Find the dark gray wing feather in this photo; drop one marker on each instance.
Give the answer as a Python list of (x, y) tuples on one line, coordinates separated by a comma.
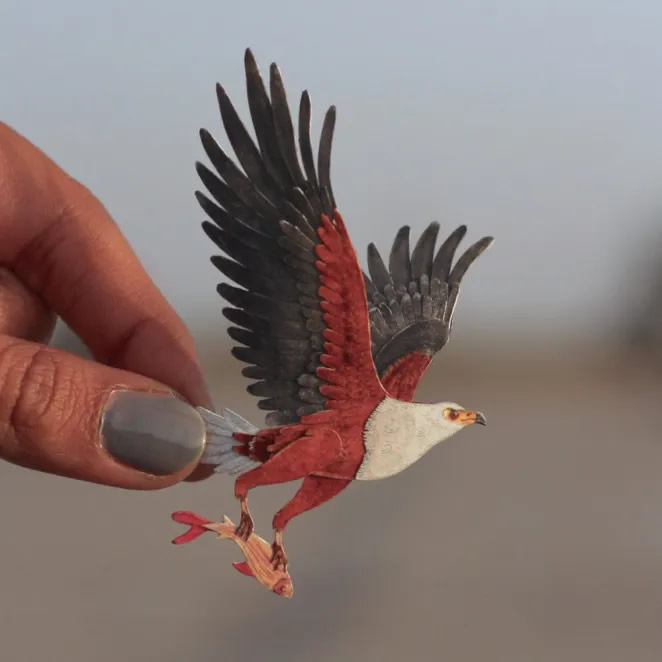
[(412, 302), (265, 211)]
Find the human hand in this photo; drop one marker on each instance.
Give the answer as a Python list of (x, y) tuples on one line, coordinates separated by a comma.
[(115, 421)]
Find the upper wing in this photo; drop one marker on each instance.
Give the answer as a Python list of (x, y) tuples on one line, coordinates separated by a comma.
[(412, 302), (300, 309)]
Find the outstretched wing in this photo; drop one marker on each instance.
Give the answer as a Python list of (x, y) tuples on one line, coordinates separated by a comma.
[(412, 302), (300, 312)]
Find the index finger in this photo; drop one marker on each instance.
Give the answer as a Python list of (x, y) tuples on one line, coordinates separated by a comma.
[(62, 243)]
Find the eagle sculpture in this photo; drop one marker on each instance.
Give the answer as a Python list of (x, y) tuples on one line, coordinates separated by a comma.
[(334, 354)]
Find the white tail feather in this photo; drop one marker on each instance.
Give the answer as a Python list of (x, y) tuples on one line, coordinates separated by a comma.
[(220, 442)]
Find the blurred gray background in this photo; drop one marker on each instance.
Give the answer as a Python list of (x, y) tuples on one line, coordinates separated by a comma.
[(537, 538)]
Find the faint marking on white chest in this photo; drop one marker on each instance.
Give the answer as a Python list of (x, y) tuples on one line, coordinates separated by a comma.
[(397, 434)]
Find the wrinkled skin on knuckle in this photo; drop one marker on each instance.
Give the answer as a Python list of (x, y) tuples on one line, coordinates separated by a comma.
[(40, 262), (28, 189), (42, 406), (23, 313)]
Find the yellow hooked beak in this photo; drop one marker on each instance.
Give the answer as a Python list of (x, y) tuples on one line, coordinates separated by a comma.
[(466, 417)]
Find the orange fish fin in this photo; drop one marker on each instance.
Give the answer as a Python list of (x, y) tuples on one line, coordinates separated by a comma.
[(244, 568)]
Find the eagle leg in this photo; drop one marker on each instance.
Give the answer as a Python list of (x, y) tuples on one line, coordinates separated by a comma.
[(314, 451), (245, 526), (278, 557), (314, 491)]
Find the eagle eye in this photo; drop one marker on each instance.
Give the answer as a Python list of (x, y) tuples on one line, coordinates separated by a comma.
[(451, 414)]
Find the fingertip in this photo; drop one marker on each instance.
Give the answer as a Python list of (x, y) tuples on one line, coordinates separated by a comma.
[(72, 417), (155, 433)]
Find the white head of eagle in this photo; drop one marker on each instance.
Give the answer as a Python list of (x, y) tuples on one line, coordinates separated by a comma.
[(399, 433)]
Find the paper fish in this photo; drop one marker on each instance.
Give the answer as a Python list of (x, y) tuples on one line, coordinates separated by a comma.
[(258, 552)]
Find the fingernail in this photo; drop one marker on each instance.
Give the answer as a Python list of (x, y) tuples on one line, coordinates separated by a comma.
[(152, 432)]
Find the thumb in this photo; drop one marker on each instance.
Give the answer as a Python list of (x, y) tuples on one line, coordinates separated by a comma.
[(66, 415)]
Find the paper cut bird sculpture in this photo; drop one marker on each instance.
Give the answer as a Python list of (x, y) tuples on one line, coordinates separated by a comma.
[(334, 354)]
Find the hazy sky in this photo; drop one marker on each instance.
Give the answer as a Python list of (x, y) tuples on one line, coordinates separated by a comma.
[(537, 122)]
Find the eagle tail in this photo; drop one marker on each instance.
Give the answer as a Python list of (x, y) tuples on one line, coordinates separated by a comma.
[(224, 446)]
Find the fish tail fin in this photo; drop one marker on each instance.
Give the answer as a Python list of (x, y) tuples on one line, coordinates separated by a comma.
[(195, 522)]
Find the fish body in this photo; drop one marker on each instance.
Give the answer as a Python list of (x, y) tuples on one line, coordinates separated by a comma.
[(258, 552)]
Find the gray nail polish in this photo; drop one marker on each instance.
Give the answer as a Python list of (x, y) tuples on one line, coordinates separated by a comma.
[(152, 432)]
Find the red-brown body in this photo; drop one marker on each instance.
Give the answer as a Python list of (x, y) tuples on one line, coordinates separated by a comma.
[(325, 449)]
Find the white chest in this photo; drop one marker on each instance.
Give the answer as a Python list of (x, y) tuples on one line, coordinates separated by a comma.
[(399, 433)]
